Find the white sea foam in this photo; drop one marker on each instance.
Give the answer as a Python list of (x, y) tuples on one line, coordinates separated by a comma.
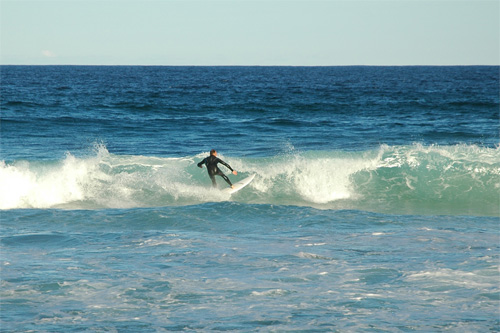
[(315, 179), (100, 180), (26, 186), (271, 292), (450, 277), (450, 180)]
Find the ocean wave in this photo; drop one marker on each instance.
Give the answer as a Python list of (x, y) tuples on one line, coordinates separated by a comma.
[(413, 179)]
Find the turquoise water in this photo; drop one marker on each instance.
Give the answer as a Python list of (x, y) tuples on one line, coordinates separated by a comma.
[(415, 179), (375, 205)]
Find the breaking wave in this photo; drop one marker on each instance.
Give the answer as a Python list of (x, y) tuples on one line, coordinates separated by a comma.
[(414, 179)]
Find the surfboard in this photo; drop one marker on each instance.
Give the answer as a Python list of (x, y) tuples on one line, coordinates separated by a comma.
[(239, 185)]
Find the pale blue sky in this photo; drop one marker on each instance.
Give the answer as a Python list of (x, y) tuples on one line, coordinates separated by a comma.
[(241, 32)]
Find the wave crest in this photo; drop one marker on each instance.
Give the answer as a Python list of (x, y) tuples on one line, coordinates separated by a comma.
[(415, 179)]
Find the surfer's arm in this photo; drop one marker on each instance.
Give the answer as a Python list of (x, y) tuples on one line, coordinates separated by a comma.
[(200, 165), (226, 165)]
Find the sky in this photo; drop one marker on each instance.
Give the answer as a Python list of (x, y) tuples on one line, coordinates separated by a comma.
[(239, 32)]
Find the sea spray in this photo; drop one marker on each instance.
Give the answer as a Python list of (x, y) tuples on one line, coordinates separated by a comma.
[(45, 184), (308, 177)]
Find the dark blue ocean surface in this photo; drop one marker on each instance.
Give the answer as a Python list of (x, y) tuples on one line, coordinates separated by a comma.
[(375, 204), (243, 111)]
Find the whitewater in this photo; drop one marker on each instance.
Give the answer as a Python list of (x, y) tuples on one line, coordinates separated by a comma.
[(461, 179)]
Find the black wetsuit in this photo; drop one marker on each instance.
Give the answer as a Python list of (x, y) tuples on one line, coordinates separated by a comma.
[(211, 163)]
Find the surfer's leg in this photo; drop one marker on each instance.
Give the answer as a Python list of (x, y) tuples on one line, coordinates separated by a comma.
[(225, 178), (214, 183)]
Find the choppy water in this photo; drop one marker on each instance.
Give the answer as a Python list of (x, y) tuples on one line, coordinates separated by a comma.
[(375, 204)]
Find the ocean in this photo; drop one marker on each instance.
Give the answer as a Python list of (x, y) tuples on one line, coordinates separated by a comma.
[(375, 204)]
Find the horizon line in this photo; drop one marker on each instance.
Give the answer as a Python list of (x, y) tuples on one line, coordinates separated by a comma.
[(186, 65)]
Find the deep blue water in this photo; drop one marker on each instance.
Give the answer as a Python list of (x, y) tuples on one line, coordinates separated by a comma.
[(375, 205)]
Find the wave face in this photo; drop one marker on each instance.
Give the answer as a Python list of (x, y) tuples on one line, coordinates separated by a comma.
[(414, 179)]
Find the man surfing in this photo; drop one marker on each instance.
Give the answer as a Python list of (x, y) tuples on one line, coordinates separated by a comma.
[(211, 163)]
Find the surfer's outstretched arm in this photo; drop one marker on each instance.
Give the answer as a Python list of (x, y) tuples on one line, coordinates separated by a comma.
[(227, 166), (224, 163), (200, 165)]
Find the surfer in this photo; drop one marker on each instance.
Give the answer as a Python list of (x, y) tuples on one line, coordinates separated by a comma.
[(211, 163)]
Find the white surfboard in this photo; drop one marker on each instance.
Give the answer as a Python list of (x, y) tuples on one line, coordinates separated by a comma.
[(239, 185)]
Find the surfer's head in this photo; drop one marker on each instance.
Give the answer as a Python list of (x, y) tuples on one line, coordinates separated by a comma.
[(213, 152)]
